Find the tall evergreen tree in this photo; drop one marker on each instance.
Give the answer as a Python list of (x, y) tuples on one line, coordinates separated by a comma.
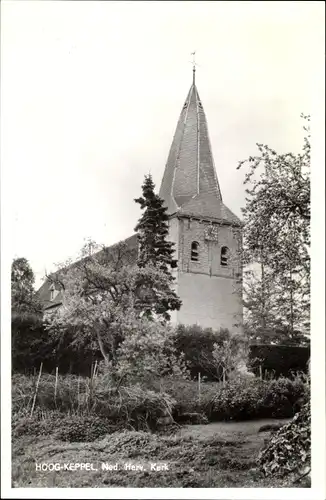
[(154, 248), (153, 230)]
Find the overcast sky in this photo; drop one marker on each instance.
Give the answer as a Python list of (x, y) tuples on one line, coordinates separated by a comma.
[(91, 94)]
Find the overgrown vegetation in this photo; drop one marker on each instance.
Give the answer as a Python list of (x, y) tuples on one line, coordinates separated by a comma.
[(219, 461), (148, 377), (289, 450), (32, 344), (255, 398), (125, 407), (139, 407)]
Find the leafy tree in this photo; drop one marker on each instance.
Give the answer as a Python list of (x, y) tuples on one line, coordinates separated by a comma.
[(259, 303), (23, 297), (104, 299), (148, 353), (106, 294), (277, 240), (266, 309), (29, 342), (154, 248), (215, 354), (231, 355)]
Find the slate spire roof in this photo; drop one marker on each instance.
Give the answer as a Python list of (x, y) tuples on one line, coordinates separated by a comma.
[(190, 185)]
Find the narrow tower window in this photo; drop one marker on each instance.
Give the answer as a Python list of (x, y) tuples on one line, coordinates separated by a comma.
[(224, 256), (194, 251), (52, 290)]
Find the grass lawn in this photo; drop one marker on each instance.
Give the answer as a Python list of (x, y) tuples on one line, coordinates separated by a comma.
[(199, 456)]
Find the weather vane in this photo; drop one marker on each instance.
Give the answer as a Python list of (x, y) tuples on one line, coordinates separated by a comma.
[(194, 64)]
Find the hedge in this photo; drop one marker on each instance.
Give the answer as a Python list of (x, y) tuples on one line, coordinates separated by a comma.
[(197, 344), (246, 399), (279, 359), (31, 345)]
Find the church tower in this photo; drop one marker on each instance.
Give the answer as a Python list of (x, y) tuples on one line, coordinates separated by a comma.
[(207, 235)]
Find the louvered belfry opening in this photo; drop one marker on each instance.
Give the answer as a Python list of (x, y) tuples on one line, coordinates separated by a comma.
[(224, 256), (195, 251)]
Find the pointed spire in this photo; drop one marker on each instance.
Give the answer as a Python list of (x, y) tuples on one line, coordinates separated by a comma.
[(190, 185)]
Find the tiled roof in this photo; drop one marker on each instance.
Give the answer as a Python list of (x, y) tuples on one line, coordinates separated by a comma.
[(105, 255), (208, 205), (190, 183), (44, 294)]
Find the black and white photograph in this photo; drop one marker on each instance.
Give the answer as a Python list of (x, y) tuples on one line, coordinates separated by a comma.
[(162, 249)]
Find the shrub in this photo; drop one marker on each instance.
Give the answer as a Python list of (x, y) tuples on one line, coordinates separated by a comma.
[(289, 449), (84, 428), (142, 408), (283, 396), (65, 427), (242, 399), (193, 418), (148, 351), (36, 425), (237, 400), (186, 396)]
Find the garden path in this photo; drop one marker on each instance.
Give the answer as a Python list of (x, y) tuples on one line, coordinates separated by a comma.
[(244, 428)]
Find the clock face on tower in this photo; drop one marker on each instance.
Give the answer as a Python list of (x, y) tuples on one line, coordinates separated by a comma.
[(211, 233)]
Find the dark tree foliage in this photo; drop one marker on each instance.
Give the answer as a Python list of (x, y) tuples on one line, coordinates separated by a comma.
[(23, 297), (153, 230), (154, 248), (281, 360), (29, 342), (197, 344)]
